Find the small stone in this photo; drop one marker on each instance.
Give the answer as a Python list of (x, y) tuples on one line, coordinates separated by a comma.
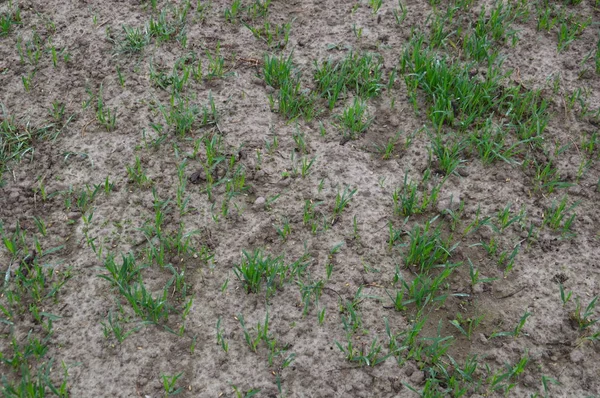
[(576, 356), (259, 175), (451, 201), (417, 377), (74, 215), (482, 339), (478, 288), (529, 381), (409, 371), (259, 203)]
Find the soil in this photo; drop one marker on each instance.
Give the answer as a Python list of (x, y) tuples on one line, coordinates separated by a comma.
[(85, 153)]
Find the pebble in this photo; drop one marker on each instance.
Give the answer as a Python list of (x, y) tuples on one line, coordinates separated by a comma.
[(259, 175), (417, 377), (576, 356), (259, 203), (482, 339), (478, 288), (451, 201)]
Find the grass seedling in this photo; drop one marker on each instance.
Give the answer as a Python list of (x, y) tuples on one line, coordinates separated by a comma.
[(355, 120), (361, 74), (114, 327), (257, 267), (426, 249), (220, 339), (386, 151), (466, 325), (232, 12), (169, 384), (583, 319), (137, 174), (57, 112), (597, 57), (132, 41), (400, 13), (564, 297), (121, 275), (305, 166), (342, 199), (448, 156), (8, 19), (475, 278), (106, 117), (505, 220), (397, 299), (285, 230), (375, 5), (405, 198), (557, 218), (569, 29)]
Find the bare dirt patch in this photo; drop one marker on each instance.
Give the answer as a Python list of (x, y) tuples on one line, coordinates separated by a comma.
[(300, 198)]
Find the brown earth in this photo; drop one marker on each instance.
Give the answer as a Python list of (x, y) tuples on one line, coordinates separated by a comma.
[(85, 153)]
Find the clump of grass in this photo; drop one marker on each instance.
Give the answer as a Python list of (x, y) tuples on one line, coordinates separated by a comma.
[(183, 116), (132, 41), (458, 100), (407, 200), (277, 70), (275, 36), (257, 268), (426, 249), (449, 154), (355, 119), (106, 117), (557, 216), (292, 100), (15, 142), (8, 20), (361, 74)]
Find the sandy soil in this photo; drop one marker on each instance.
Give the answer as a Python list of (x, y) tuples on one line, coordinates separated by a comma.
[(77, 151)]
